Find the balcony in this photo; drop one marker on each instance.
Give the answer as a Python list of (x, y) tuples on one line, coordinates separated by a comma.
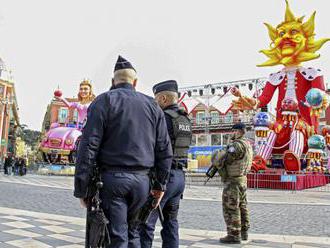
[(221, 122)]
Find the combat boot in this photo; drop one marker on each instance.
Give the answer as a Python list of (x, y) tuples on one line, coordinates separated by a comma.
[(230, 240), (244, 235)]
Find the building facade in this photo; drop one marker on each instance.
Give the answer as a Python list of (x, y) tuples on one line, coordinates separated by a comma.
[(58, 112), (9, 118), (211, 120), (216, 129)]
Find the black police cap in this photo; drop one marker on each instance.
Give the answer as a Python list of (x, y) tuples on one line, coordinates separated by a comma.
[(123, 64), (169, 85), (239, 126)]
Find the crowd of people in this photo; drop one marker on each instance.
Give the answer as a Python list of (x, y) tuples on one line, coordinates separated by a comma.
[(14, 166)]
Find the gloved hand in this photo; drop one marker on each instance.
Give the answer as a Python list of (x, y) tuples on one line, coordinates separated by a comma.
[(243, 102)]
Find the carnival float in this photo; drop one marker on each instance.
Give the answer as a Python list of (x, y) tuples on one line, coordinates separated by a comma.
[(295, 136), (60, 143)]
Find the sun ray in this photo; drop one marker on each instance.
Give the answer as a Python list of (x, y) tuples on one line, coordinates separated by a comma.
[(271, 31), (314, 46), (289, 16), (308, 27), (270, 62), (306, 56)]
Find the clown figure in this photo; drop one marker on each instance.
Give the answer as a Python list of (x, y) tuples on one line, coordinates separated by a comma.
[(315, 153), (261, 127), (326, 135), (289, 111)]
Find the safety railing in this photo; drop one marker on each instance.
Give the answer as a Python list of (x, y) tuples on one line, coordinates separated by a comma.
[(257, 181), (213, 122)]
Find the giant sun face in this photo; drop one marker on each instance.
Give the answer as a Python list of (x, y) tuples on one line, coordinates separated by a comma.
[(292, 41)]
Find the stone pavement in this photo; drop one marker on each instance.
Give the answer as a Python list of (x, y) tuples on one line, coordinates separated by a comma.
[(305, 197), (278, 218), (59, 182), (28, 229), (317, 196)]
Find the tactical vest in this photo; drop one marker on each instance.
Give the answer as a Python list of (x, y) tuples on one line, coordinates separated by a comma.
[(241, 166), (182, 134)]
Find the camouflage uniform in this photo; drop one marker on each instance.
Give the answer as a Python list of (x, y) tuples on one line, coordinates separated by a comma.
[(234, 202)]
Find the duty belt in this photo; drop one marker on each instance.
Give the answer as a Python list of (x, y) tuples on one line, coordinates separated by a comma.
[(128, 169), (177, 165)]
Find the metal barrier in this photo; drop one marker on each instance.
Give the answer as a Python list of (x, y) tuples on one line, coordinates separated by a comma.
[(51, 169), (257, 181)]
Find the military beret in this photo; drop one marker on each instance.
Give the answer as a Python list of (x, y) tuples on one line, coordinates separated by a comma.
[(239, 126), (123, 64), (169, 85)]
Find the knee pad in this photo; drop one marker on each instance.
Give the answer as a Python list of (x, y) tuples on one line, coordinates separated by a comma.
[(171, 211)]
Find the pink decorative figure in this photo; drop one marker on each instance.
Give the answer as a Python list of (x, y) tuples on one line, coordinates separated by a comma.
[(59, 141)]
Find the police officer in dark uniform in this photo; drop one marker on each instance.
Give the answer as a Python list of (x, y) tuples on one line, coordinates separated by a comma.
[(179, 129), (126, 135)]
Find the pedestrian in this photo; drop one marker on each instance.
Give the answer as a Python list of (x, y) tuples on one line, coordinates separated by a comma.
[(126, 135), (22, 167), (8, 164), (16, 165), (179, 129), (238, 160)]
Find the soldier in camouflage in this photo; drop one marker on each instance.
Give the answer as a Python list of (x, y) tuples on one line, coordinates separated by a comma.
[(237, 163)]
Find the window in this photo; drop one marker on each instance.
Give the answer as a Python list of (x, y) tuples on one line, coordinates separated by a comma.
[(62, 115), (200, 117), (75, 116), (214, 117), (322, 115), (193, 140), (226, 138), (202, 140), (216, 139), (229, 117)]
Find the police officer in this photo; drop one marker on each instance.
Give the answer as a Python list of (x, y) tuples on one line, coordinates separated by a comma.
[(238, 161), (126, 135), (179, 129)]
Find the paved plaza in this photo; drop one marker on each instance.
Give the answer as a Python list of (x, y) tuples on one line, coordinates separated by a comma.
[(39, 211)]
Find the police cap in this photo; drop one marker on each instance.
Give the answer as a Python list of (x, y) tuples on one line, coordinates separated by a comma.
[(123, 64), (169, 85), (239, 126)]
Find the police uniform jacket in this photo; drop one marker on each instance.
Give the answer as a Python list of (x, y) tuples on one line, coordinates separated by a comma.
[(125, 130), (178, 162)]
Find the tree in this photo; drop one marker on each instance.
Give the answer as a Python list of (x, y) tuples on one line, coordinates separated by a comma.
[(31, 137)]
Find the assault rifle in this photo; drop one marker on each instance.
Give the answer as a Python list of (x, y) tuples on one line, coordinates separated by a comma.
[(211, 173), (217, 165)]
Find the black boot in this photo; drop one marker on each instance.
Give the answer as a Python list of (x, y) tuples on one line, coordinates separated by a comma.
[(244, 235), (230, 240)]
